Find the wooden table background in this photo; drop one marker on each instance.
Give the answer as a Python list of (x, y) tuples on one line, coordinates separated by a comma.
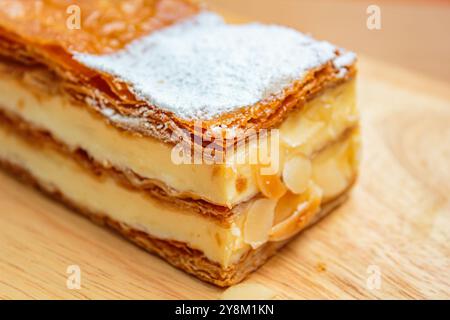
[(398, 220), (414, 33)]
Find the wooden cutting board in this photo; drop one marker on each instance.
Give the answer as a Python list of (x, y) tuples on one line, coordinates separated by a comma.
[(390, 240)]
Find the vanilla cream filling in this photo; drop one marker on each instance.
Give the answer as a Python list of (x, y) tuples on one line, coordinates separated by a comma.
[(260, 221), (306, 131), (140, 211)]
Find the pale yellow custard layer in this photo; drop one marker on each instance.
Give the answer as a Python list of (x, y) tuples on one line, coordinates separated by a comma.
[(105, 196), (262, 220), (321, 121)]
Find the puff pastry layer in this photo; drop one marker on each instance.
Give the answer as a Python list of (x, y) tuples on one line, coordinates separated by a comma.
[(102, 108)]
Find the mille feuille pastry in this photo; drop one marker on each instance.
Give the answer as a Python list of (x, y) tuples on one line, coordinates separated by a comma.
[(151, 117)]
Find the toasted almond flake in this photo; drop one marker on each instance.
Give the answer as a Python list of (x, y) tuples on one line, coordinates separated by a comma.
[(332, 175), (270, 186), (259, 222), (290, 226), (249, 291), (286, 206), (304, 211), (297, 173)]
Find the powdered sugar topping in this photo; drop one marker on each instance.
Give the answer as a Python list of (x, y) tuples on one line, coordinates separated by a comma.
[(203, 67)]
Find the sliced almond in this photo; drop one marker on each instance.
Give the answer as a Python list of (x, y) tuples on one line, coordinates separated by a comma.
[(331, 176), (249, 291), (290, 226), (259, 222), (297, 173), (271, 186), (303, 213), (286, 206)]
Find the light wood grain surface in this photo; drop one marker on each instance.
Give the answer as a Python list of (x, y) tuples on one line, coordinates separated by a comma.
[(397, 220)]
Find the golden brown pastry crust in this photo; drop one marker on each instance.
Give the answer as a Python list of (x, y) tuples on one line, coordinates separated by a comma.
[(106, 26), (49, 45), (176, 253)]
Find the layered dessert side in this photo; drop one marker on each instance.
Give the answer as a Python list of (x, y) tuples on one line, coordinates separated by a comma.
[(208, 144)]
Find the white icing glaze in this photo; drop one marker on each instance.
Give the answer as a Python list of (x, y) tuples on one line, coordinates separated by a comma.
[(202, 67)]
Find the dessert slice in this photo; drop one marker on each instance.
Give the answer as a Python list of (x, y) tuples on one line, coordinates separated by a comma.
[(206, 143)]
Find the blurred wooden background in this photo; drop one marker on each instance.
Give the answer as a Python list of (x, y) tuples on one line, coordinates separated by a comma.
[(414, 33)]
